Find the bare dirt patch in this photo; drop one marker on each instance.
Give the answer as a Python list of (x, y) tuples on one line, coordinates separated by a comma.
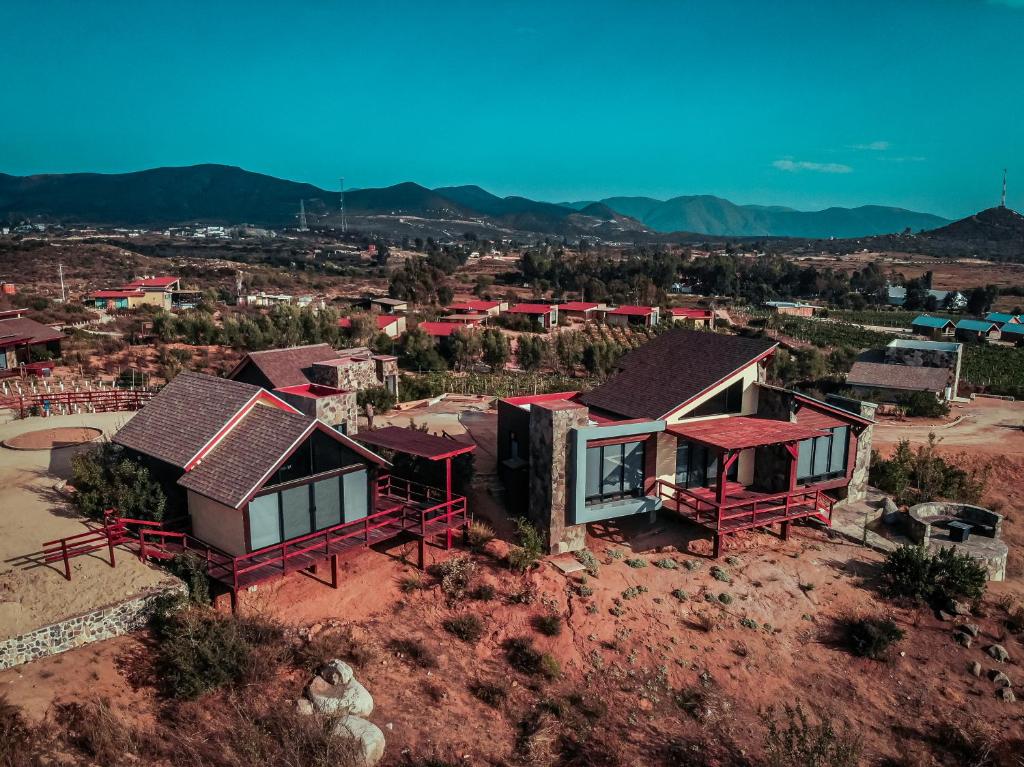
[(51, 439)]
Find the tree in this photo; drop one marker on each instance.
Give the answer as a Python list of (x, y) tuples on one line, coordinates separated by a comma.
[(418, 352), (105, 478), (495, 348), (464, 348), (532, 352)]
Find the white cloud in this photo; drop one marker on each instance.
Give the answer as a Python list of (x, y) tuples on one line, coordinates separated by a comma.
[(795, 166), (874, 146)]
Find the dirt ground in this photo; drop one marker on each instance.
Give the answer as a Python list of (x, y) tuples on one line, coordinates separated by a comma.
[(50, 439), (32, 511), (628, 640)]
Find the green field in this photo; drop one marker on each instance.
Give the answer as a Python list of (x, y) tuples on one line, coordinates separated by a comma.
[(890, 319), (999, 369), (829, 333)]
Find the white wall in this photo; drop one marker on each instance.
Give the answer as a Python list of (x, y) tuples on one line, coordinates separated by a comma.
[(217, 524)]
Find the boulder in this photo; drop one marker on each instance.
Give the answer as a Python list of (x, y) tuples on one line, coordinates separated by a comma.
[(971, 628), (366, 734), (336, 672), (351, 698), (945, 617), (958, 608), (962, 639), (998, 652), (1006, 695), (891, 512), (975, 669), (999, 679), (304, 707)]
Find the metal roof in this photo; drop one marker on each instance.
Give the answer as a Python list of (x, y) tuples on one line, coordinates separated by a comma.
[(942, 346), (744, 431), (414, 442), (979, 325), (931, 322)]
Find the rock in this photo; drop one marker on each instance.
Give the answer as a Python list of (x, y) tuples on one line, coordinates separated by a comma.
[(367, 734), (971, 628), (336, 672), (1006, 695), (958, 608), (975, 669), (962, 639), (999, 679), (944, 616), (998, 652), (891, 512), (304, 707), (889, 506), (351, 698)]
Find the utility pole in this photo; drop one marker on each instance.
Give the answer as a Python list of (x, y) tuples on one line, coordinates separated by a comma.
[(302, 216), (1002, 203), (60, 271), (344, 223)]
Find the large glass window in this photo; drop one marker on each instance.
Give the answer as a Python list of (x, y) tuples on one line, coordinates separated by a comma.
[(823, 458), (728, 400), (697, 465), (293, 512), (615, 471)]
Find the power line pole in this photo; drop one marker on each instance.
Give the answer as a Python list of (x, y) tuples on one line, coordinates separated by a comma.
[(344, 223), (302, 216), (60, 271), (1002, 203)]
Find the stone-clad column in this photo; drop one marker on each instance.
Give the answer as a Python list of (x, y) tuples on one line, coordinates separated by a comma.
[(553, 472)]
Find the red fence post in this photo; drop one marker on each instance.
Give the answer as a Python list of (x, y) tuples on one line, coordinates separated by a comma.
[(67, 562)]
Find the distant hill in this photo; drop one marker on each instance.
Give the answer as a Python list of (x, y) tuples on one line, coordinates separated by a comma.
[(229, 195), (990, 225), (207, 193), (705, 214)]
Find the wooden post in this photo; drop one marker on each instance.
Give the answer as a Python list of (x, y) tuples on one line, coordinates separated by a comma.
[(67, 562), (717, 549), (422, 553), (110, 541), (334, 571)]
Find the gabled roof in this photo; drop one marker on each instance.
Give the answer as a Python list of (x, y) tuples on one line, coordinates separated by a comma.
[(906, 377), (126, 293), (977, 325), (152, 282), (474, 306), (656, 379), (690, 313), (1000, 317), (415, 442), (440, 329), (35, 332), (634, 311), (384, 320), (743, 432), (531, 309), (577, 306), (1013, 329), (285, 367), (187, 415), (927, 321)]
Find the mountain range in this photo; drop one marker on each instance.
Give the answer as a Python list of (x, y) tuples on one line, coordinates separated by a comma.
[(226, 194)]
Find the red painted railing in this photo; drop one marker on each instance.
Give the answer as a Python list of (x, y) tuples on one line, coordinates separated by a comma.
[(98, 400), (748, 512)]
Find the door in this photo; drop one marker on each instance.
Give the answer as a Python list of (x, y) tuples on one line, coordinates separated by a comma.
[(356, 503)]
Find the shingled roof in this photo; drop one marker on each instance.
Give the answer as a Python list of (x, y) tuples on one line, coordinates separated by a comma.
[(675, 367), (23, 327), (184, 416), (285, 367), (238, 464), (907, 377)]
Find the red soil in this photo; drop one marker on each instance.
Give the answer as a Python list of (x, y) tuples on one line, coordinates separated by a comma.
[(48, 439)]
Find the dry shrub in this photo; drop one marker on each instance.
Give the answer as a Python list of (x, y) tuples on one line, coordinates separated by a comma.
[(456, 575), (798, 742), (415, 651), (478, 535), (491, 693), (467, 627), (331, 643), (96, 731), (20, 743)]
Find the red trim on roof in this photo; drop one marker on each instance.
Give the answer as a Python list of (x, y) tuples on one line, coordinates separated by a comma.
[(698, 395), (440, 329), (311, 390), (634, 311), (152, 282), (384, 320), (532, 309), (262, 395), (117, 294), (474, 306), (529, 399), (696, 314), (844, 415), (739, 433), (577, 306), (415, 442)]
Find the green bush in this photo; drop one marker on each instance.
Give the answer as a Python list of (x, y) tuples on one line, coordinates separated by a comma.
[(199, 650), (490, 693), (912, 572), (456, 575), (478, 535), (191, 569), (870, 637), (530, 549), (378, 396), (586, 558), (105, 478), (921, 475), (922, 404), (523, 656)]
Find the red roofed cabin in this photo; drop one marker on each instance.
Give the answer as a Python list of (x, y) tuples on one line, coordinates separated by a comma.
[(267, 490), (687, 427), (693, 318), (579, 310), (24, 341), (646, 316), (546, 315), (486, 308)]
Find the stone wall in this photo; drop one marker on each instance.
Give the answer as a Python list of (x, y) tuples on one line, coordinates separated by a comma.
[(552, 469), (104, 623), (339, 409)]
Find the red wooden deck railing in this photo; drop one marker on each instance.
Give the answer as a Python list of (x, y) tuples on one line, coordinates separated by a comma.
[(752, 509), (98, 400)]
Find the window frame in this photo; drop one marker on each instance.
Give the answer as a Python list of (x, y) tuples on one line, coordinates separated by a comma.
[(710, 465), (624, 490), (827, 444)]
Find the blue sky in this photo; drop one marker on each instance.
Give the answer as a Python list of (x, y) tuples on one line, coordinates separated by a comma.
[(910, 102)]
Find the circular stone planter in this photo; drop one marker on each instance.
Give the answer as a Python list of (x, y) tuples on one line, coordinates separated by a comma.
[(927, 525), (51, 439)]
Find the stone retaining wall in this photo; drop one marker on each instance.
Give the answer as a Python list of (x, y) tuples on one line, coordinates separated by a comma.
[(104, 623)]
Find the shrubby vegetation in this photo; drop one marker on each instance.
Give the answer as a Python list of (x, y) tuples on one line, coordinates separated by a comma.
[(105, 478), (919, 475), (798, 742), (870, 637), (912, 572)]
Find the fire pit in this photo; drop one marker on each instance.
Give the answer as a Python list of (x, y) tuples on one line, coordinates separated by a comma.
[(971, 530)]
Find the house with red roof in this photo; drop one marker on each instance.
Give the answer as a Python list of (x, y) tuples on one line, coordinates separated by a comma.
[(644, 316), (545, 315), (692, 317), (580, 310), (23, 341), (164, 292), (686, 427), (488, 308), (439, 330)]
